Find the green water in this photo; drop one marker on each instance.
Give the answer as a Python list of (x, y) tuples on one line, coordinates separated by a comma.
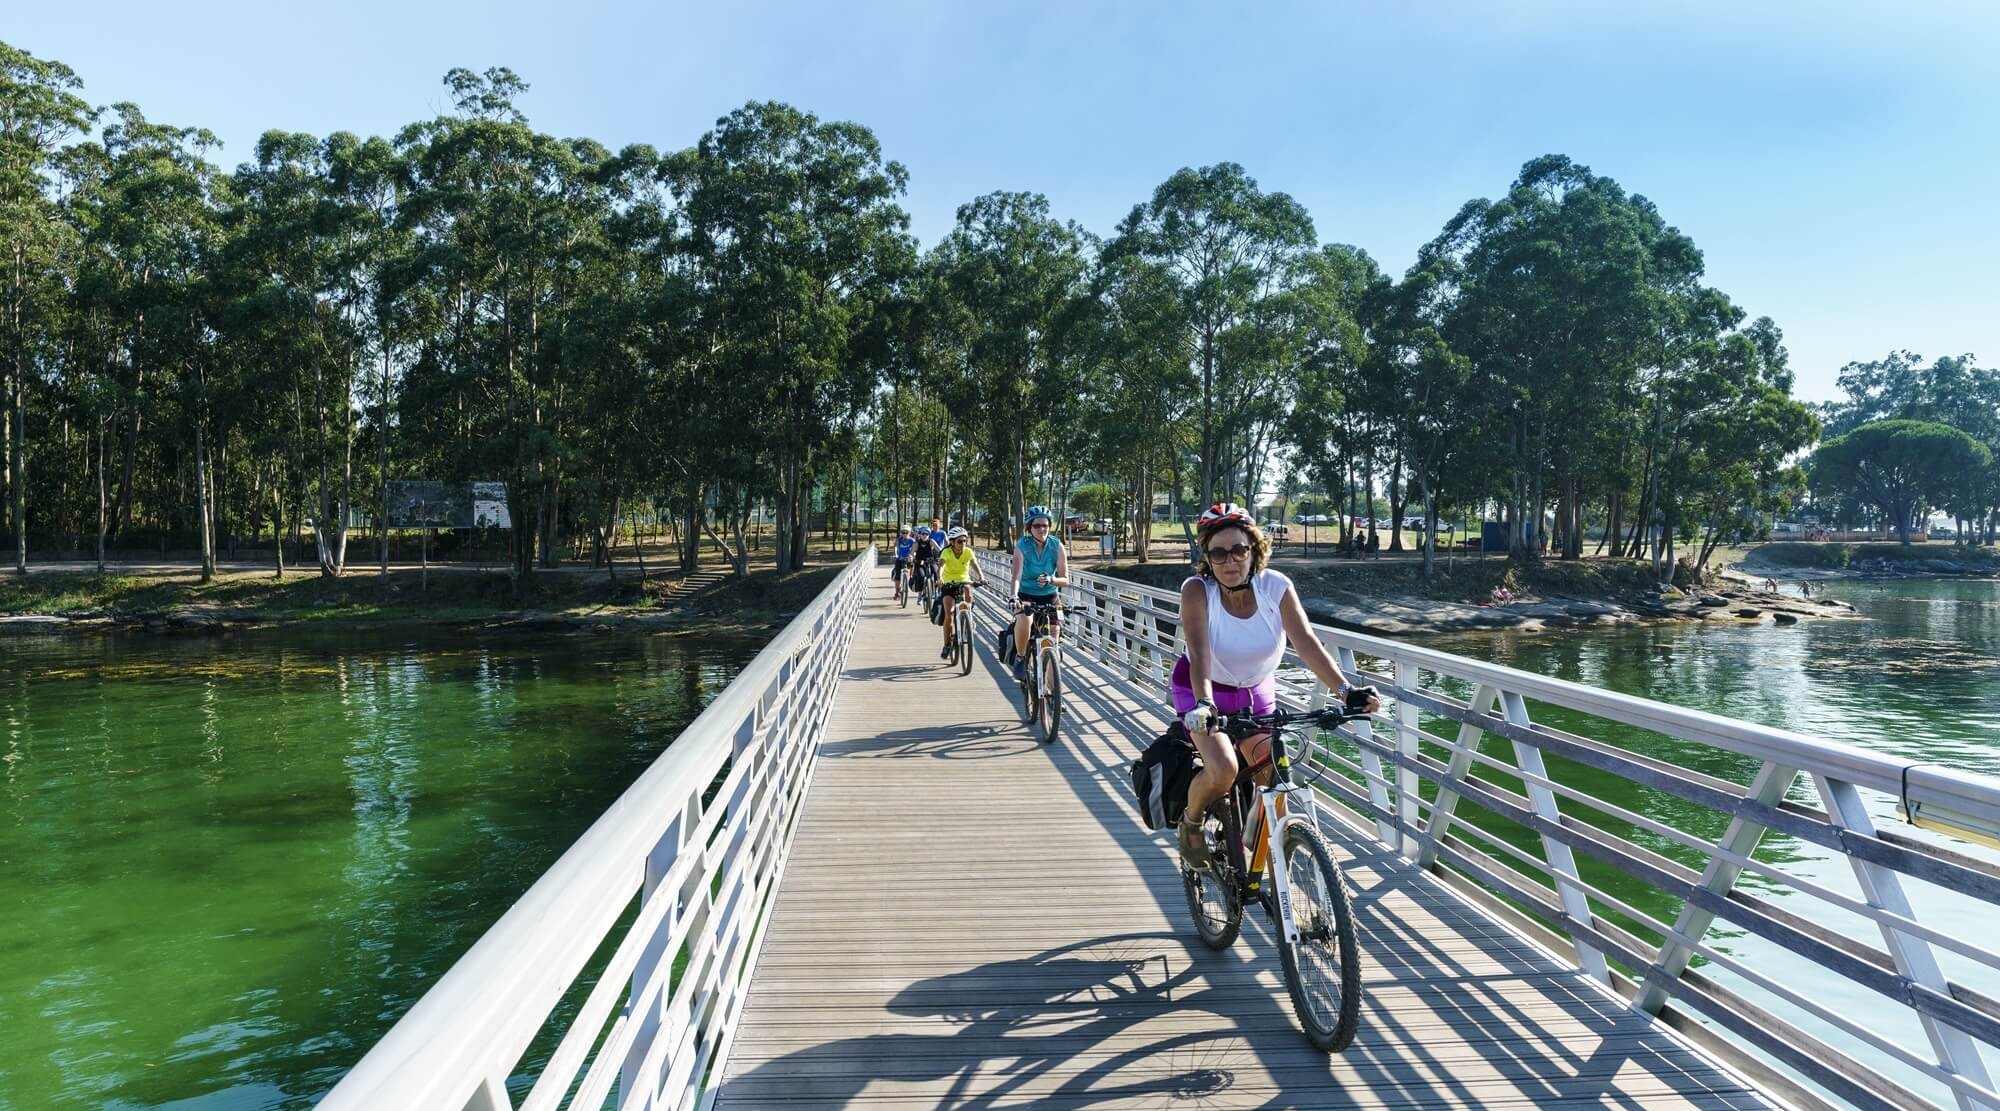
[(1920, 679), (231, 863)]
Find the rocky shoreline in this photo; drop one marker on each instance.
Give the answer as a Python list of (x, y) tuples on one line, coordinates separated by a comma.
[(1733, 604)]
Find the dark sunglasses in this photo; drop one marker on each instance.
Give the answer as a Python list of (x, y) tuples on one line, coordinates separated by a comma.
[(1232, 553)]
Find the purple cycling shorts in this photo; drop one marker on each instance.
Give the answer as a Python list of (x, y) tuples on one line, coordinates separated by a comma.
[(1260, 699)]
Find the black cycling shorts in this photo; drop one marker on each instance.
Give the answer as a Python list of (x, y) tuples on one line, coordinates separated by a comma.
[(953, 590)]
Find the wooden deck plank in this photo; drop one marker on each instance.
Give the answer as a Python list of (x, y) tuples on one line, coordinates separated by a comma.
[(971, 918)]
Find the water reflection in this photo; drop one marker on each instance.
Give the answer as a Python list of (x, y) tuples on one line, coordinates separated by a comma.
[(235, 861)]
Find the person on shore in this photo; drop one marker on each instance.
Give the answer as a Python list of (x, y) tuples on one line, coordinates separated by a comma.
[(1805, 589), (1041, 566), (960, 572), (1236, 615)]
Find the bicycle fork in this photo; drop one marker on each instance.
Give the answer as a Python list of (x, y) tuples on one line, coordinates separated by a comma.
[(1276, 822)]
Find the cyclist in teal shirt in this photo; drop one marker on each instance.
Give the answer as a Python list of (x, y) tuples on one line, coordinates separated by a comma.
[(1041, 565)]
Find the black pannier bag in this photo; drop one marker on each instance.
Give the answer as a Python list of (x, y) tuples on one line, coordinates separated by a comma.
[(1161, 775)]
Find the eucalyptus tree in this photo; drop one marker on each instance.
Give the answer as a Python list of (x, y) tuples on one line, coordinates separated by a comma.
[(1002, 290), (1136, 400), (1335, 425), (146, 203), (796, 232), (1227, 245), (1553, 293), (39, 111)]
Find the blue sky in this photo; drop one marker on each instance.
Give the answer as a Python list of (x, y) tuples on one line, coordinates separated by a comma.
[(1836, 162)]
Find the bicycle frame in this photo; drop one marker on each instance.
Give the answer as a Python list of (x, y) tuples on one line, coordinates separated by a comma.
[(1271, 818)]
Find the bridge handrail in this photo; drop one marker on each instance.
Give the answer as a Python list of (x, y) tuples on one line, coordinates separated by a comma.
[(1413, 786), (700, 858)]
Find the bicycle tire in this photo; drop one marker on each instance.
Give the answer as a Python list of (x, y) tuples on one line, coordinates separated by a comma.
[(1213, 894), (1030, 707), (1329, 1006), (902, 595), (1051, 694), (964, 626)]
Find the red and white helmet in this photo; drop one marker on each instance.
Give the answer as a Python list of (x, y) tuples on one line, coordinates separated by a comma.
[(1223, 513)]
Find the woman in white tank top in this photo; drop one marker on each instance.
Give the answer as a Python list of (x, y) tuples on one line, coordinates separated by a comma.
[(1236, 616)]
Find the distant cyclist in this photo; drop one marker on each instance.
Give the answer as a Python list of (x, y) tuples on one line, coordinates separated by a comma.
[(938, 540), (1041, 565), (905, 546), (1236, 616), (961, 570), (923, 560)]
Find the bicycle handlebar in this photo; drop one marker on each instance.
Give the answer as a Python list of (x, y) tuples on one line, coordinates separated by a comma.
[(1243, 723)]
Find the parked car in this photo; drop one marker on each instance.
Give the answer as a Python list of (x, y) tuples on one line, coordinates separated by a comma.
[(1943, 533)]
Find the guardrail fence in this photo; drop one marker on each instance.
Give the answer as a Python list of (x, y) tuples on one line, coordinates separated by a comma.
[(673, 880), (1758, 889)]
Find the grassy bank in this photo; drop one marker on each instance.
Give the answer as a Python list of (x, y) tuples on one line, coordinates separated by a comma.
[(453, 596)]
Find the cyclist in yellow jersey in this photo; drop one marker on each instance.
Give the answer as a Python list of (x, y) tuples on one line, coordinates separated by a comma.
[(961, 570)]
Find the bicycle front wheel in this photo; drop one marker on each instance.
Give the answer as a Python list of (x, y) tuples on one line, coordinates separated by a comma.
[(964, 640), (1051, 684), (1322, 971), (1213, 893)]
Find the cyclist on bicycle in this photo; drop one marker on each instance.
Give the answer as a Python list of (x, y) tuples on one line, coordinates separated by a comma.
[(938, 540), (923, 555), (1236, 616), (1041, 565), (961, 570), (905, 545)]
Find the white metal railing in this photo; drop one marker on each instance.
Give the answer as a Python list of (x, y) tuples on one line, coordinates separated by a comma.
[(1902, 944), (691, 853)]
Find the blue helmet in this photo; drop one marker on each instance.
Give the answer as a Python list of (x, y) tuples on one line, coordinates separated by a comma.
[(1035, 511)]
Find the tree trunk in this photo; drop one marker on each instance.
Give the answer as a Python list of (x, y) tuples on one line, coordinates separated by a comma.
[(203, 513), (382, 467), (103, 504)]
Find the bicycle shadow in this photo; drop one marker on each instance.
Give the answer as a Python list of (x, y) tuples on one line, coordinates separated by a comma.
[(986, 740), (1019, 1027)]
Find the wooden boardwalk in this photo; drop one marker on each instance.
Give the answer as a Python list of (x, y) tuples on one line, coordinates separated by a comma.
[(971, 919)]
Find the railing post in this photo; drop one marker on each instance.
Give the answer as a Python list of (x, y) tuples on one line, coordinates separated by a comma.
[(1460, 766), (1408, 783), (1371, 760), (1768, 788), (1576, 904), (1956, 1051)]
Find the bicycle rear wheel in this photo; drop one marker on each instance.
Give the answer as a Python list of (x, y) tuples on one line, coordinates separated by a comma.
[(1213, 894), (1051, 691), (1322, 971)]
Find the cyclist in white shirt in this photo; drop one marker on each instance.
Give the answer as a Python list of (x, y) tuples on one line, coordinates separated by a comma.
[(1236, 616)]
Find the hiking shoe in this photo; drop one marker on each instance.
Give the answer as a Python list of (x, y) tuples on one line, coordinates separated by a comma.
[(946, 654), (1020, 670), (1194, 846)]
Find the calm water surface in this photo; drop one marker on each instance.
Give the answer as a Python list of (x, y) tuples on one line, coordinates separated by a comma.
[(231, 863)]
